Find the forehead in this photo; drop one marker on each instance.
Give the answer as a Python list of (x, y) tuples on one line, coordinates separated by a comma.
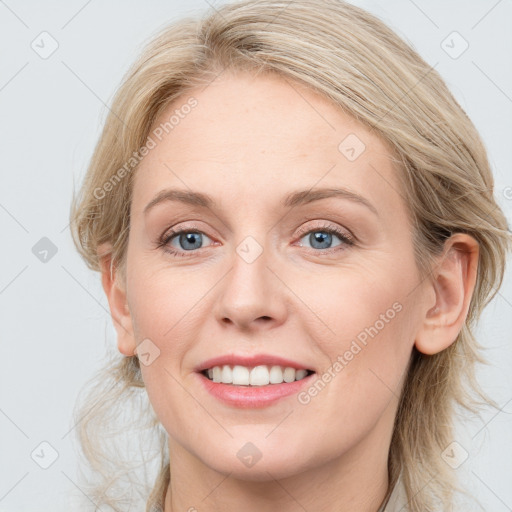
[(260, 137)]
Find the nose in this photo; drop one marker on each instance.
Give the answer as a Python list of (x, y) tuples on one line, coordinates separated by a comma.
[(251, 296)]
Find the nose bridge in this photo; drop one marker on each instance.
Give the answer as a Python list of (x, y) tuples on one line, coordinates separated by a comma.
[(250, 293)]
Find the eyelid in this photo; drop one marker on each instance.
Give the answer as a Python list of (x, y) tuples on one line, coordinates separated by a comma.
[(326, 225), (182, 226), (301, 231), (346, 237)]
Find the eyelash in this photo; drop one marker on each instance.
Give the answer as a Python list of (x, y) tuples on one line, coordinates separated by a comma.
[(346, 239)]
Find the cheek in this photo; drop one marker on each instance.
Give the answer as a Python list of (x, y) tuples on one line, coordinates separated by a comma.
[(365, 326), (164, 301), (355, 304), (167, 308)]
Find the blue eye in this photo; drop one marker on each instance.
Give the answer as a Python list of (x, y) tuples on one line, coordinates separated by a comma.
[(320, 239), (187, 241), (323, 238)]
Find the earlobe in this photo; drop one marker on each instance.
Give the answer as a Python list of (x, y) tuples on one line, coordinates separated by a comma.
[(453, 282), (115, 290)]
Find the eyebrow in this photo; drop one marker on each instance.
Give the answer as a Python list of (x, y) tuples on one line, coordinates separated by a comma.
[(293, 199)]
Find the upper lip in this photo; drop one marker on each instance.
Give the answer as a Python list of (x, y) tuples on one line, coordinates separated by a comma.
[(250, 361)]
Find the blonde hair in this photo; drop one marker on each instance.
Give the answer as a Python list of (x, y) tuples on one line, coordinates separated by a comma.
[(352, 58)]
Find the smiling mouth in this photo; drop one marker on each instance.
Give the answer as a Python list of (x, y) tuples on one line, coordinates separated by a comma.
[(262, 375)]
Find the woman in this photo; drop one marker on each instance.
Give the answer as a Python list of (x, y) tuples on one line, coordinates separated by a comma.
[(296, 231)]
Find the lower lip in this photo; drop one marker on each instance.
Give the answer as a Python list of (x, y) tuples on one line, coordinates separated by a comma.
[(253, 396)]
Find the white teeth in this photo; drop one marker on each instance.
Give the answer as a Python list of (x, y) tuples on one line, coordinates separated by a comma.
[(217, 374), (227, 375), (258, 376), (289, 374), (300, 374), (276, 375), (240, 376)]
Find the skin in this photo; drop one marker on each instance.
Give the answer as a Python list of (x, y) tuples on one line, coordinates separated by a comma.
[(248, 143)]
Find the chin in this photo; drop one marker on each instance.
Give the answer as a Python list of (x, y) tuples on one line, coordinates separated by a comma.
[(249, 463), (262, 471)]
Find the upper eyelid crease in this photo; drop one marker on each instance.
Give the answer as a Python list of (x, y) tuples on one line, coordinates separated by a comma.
[(291, 200)]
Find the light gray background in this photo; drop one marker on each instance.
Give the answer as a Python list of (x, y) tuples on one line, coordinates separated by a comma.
[(54, 317)]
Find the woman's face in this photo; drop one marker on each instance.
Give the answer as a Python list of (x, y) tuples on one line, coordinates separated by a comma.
[(241, 253)]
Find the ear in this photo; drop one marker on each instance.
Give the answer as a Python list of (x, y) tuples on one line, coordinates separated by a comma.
[(115, 290), (452, 285)]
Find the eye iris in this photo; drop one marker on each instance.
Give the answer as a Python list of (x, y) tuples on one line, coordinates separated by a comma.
[(324, 238), (193, 238)]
